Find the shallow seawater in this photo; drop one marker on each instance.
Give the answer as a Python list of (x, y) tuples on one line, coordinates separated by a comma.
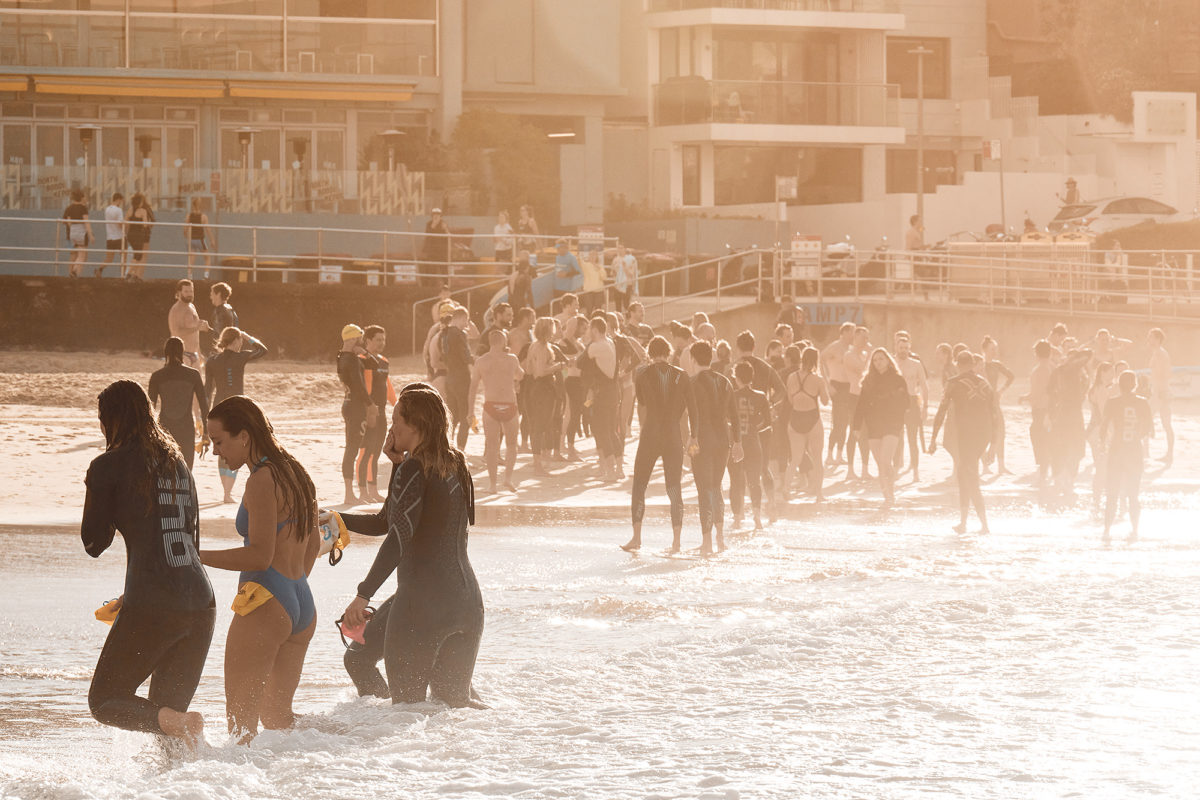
[(850, 655)]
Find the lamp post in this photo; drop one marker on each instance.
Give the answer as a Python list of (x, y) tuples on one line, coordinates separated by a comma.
[(300, 147), (920, 52), (245, 136), (392, 138), (87, 134)]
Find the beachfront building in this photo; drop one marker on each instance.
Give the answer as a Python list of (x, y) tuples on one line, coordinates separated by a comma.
[(287, 106)]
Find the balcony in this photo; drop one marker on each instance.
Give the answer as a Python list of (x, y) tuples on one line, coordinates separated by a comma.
[(827, 14), (755, 104)]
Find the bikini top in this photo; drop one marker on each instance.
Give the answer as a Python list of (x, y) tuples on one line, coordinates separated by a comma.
[(241, 522)]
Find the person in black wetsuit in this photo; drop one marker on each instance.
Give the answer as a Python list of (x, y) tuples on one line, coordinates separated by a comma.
[(717, 429), (663, 394), (358, 412), (881, 407), (767, 381), (598, 370), (379, 389), (223, 315), (1068, 434), (141, 487), (224, 376), (973, 403), (753, 418), (1128, 420), (456, 354), (173, 388), (435, 621)]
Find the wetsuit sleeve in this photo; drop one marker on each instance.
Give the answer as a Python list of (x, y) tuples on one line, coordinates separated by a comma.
[(943, 410), (689, 397), (778, 390), (391, 392), (403, 514), (257, 350), (1006, 373), (99, 511), (358, 384), (735, 427), (153, 390), (210, 385), (367, 524)]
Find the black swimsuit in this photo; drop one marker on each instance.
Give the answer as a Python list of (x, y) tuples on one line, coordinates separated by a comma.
[(803, 421)]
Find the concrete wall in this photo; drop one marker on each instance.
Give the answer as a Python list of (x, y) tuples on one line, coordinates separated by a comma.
[(299, 321)]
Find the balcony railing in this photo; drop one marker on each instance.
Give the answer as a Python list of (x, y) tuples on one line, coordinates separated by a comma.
[(34, 187), (861, 6), (688, 100), (216, 42)]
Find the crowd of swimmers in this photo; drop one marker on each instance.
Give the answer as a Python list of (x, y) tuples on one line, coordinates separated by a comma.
[(546, 383), (781, 419)]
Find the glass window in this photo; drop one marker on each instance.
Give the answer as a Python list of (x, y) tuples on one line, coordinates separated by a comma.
[(148, 112), (181, 146), (824, 174), (1147, 206), (148, 144), (298, 115), (1126, 205), (370, 9), (331, 115), (331, 151), (226, 7), (51, 112), (17, 109), (181, 114), (115, 112), (902, 66), (49, 145), (691, 175), (668, 53), (265, 150), (18, 142), (114, 147), (359, 48)]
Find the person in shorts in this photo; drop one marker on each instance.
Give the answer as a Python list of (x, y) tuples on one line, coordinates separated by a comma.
[(114, 234), (79, 231)]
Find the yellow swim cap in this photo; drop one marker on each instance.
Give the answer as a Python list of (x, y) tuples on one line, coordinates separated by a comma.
[(447, 308), (351, 331)]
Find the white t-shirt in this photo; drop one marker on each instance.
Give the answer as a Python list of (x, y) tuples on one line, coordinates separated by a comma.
[(504, 238), (113, 217)]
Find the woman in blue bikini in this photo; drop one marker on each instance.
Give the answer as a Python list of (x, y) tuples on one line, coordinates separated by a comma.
[(275, 619)]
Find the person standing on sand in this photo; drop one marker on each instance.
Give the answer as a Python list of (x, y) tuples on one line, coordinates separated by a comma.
[(174, 386), (498, 371), (141, 487), (973, 403), (1160, 388), (224, 377), (223, 315), (358, 412), (184, 321), (1128, 420)]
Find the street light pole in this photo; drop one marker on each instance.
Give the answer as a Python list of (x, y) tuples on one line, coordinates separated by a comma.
[(920, 52)]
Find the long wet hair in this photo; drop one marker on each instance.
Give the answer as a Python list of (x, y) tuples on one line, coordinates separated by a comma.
[(173, 350), (240, 413), (128, 421), (425, 411), (873, 374)]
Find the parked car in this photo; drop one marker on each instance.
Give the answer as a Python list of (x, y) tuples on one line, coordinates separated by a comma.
[(1110, 213)]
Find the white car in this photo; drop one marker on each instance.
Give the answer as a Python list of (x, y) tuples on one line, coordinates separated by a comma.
[(1110, 213)]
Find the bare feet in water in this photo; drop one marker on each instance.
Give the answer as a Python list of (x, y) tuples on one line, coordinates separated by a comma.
[(185, 725)]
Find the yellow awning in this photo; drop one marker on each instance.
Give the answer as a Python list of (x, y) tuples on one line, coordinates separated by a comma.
[(291, 90), (14, 84), (129, 87)]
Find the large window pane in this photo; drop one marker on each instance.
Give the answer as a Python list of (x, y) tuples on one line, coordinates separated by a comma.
[(379, 9), (18, 144), (691, 175), (209, 6), (114, 147), (824, 174), (49, 145), (354, 48), (206, 44)]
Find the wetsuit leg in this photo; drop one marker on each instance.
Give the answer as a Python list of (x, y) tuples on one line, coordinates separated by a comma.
[(672, 458), (492, 431), (708, 468), (455, 666), (648, 452), (766, 480), (541, 408), (183, 431), (370, 450), (456, 397), (575, 401), (169, 647), (604, 423), (362, 660), (752, 460), (356, 425), (839, 416), (737, 487)]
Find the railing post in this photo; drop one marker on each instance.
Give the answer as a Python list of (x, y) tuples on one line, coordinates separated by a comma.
[(991, 293), (662, 299), (1070, 288), (1150, 291), (758, 288), (856, 272), (254, 254), (383, 272), (320, 251)]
